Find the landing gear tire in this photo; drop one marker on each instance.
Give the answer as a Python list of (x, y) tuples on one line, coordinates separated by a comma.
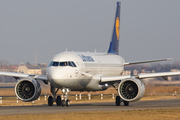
[(67, 103), (118, 100), (50, 101), (126, 103), (58, 100), (63, 103)]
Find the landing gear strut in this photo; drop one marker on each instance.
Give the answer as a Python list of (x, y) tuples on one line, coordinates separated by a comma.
[(119, 100)]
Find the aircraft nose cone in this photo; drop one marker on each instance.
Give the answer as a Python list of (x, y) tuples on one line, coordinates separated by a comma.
[(52, 74), (59, 76)]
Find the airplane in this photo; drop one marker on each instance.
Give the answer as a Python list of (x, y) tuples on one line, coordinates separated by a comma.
[(87, 71)]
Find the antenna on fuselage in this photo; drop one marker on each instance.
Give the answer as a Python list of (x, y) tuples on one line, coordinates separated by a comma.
[(95, 50)]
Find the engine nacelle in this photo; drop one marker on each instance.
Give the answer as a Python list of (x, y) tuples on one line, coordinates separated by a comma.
[(131, 89), (27, 89)]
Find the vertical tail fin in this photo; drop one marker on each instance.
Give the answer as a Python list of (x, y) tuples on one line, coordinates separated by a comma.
[(114, 44)]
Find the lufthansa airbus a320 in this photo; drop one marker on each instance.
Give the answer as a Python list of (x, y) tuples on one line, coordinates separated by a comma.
[(85, 71)]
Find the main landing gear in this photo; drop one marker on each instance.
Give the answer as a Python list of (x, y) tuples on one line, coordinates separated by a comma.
[(58, 100), (119, 100)]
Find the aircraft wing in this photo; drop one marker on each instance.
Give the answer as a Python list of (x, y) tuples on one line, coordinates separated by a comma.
[(161, 74), (139, 76), (147, 61), (22, 75)]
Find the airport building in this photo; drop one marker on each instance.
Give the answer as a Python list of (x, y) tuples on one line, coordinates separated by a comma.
[(29, 69)]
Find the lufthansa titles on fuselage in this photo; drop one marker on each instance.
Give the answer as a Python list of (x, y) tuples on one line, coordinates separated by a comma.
[(86, 58)]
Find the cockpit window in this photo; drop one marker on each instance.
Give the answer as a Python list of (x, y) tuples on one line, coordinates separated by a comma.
[(55, 64), (72, 64), (63, 63), (69, 63), (50, 63)]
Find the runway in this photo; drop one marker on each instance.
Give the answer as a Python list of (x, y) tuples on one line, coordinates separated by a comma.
[(84, 107)]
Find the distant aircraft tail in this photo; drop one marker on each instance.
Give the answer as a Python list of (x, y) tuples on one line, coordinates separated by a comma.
[(114, 44)]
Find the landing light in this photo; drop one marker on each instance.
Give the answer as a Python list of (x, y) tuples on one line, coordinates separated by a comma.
[(106, 84), (65, 90)]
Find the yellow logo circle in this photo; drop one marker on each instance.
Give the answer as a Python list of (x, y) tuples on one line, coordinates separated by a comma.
[(117, 28)]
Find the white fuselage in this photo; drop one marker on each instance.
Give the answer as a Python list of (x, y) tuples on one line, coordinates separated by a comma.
[(75, 70)]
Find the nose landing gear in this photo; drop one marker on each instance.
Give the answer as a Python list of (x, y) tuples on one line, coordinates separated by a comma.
[(65, 102), (58, 100)]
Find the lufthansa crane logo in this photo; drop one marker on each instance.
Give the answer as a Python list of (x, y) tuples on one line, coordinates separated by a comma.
[(117, 28)]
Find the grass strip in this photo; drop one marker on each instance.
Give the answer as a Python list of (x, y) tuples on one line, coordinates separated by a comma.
[(151, 114)]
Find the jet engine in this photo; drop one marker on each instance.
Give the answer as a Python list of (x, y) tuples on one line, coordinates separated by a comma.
[(27, 89), (131, 89)]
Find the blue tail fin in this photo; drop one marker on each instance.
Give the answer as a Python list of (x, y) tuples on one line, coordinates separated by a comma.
[(114, 44)]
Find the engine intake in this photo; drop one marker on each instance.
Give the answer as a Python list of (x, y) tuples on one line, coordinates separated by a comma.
[(131, 89), (28, 89)]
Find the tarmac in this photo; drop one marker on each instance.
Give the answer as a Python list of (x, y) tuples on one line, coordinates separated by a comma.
[(86, 107)]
